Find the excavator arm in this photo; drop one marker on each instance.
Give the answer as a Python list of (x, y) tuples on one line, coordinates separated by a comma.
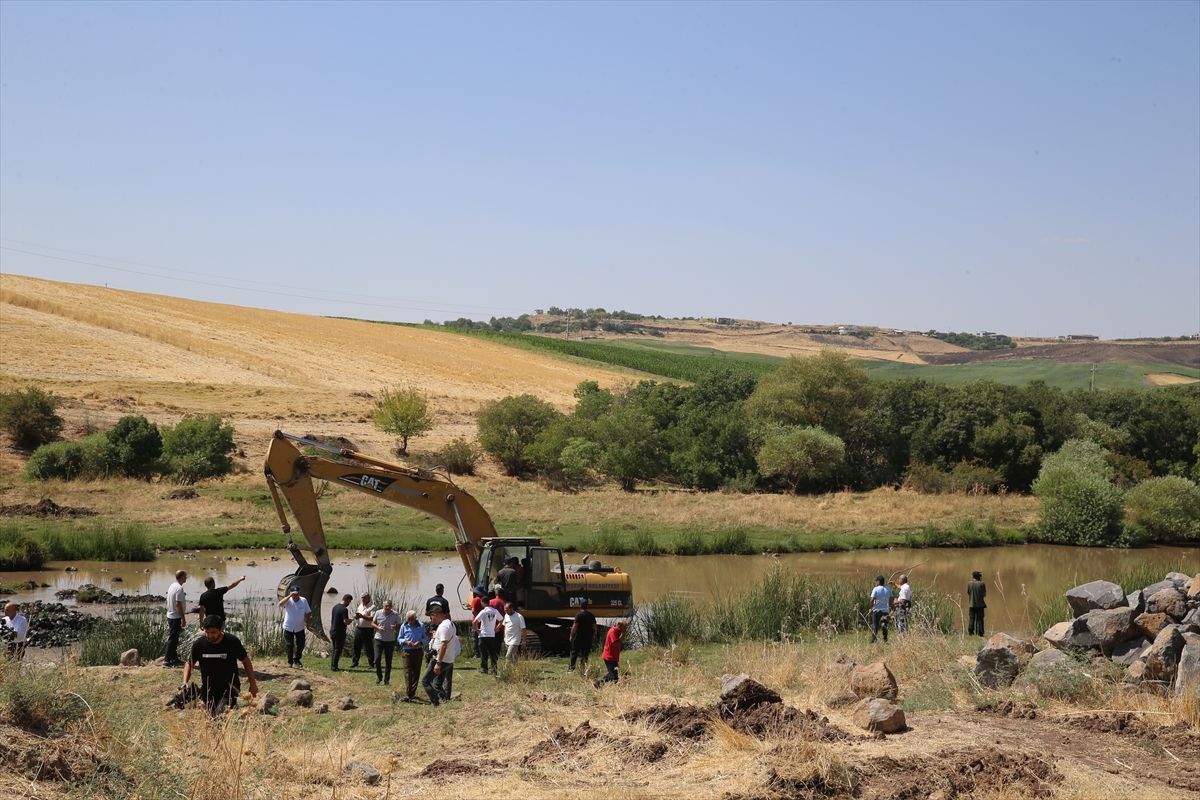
[(291, 473)]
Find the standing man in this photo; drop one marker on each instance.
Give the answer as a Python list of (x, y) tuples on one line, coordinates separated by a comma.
[(439, 678), (612, 653), (583, 633), (19, 624), (412, 638), (386, 625), (339, 621), (217, 654), (176, 603), (515, 632), (976, 592), (364, 631), (212, 600), (881, 603), (297, 615), (489, 646), (902, 604), (508, 579), (437, 601)]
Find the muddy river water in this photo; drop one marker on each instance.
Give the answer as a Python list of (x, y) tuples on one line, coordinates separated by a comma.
[(1012, 573)]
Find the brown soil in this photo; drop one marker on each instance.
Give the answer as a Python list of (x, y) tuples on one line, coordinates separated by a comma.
[(1178, 739), (1008, 708), (751, 709), (561, 745), (46, 758), (447, 768), (676, 721), (45, 508), (1182, 354)]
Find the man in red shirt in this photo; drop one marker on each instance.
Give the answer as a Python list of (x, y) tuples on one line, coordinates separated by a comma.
[(612, 652)]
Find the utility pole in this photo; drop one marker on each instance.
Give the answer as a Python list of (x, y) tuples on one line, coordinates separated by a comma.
[(1092, 388)]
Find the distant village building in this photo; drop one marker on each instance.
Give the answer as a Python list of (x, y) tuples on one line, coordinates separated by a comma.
[(1081, 337)]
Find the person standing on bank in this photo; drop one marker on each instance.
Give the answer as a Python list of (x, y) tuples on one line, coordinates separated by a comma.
[(297, 616), (881, 603), (485, 623), (583, 634), (438, 680), (19, 624), (364, 631), (515, 633), (438, 601), (212, 600), (413, 638), (976, 592), (902, 604), (217, 654), (387, 626), (612, 653), (339, 622), (176, 613)]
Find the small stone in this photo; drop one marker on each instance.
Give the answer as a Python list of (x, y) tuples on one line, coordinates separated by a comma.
[(321, 708), (364, 772), (299, 685), (874, 680), (967, 661), (1136, 671), (731, 682), (877, 714), (1014, 643), (131, 658), (843, 664), (840, 698), (344, 704), (1047, 658), (267, 703), (1130, 651), (299, 697)]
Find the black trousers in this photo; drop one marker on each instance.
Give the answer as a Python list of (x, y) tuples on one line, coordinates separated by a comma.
[(412, 672), (975, 621), (489, 651), (384, 652), (174, 629), (614, 672), (337, 643), (438, 685), (879, 619), (364, 639), (580, 649), (293, 641)]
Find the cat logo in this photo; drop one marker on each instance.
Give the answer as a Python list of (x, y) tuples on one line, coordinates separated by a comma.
[(365, 481)]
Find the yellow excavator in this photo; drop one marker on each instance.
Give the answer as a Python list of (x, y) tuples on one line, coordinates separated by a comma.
[(549, 591)]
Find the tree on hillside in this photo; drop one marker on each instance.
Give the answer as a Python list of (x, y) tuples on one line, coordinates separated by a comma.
[(827, 390), (404, 413), (29, 417), (508, 428)]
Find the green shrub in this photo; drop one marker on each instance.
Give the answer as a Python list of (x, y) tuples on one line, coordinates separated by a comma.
[(963, 477), (579, 458), (39, 701), (136, 446), (1078, 506), (197, 448), (140, 628), (19, 551), (28, 415), (404, 413), (667, 619), (61, 460), (99, 542), (644, 544), (509, 426), (801, 456), (1167, 508), (460, 457)]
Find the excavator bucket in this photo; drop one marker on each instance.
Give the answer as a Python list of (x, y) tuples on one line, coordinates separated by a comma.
[(312, 588)]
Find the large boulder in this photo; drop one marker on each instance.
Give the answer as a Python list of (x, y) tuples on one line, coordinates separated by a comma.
[(1179, 579), (1155, 588), (877, 714), (998, 662), (1096, 594), (1049, 658), (364, 772), (1136, 600), (1130, 651), (1150, 624), (1163, 656), (1072, 635), (299, 697), (1111, 627), (131, 658), (1022, 647), (873, 680), (1193, 590), (1167, 601), (1187, 671)]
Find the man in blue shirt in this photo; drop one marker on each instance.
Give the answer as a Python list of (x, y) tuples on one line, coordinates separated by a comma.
[(412, 638), (881, 603)]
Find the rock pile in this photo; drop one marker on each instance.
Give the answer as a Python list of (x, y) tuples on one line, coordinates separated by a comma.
[(53, 624), (91, 593)]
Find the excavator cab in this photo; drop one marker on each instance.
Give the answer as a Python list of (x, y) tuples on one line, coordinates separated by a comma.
[(543, 583)]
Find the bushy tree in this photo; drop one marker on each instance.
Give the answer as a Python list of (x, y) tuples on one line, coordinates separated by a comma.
[(630, 445), (827, 390), (1166, 508), (403, 412), (61, 460), (509, 426), (1080, 504), (136, 446), (460, 457), (197, 448), (28, 415), (801, 456)]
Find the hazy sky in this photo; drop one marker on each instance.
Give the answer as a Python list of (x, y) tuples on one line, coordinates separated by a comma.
[(1031, 168)]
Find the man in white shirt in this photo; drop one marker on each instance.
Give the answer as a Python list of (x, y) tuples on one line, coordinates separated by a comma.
[(515, 632), (489, 646), (364, 631), (296, 617), (902, 603), (881, 604), (19, 624), (176, 612), (438, 680)]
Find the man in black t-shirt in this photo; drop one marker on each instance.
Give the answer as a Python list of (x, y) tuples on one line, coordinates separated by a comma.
[(339, 621), (217, 654), (437, 601), (212, 600), (509, 579), (583, 634)]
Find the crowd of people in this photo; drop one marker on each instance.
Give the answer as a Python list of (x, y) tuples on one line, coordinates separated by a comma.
[(886, 606)]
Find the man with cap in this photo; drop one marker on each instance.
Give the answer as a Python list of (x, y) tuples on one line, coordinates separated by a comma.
[(339, 621), (439, 677), (413, 638), (364, 631), (297, 615), (217, 654), (387, 625), (583, 633), (881, 603)]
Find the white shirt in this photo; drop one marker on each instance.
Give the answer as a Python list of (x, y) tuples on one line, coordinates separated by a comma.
[(514, 624), (906, 592), (176, 594), (369, 610), (446, 633), (487, 619), (880, 598), (19, 624), (293, 614)]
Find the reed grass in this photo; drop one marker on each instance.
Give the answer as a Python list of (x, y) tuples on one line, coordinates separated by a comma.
[(22, 549), (141, 628)]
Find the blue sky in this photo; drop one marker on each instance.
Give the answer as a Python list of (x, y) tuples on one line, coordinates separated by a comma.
[(1019, 167)]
